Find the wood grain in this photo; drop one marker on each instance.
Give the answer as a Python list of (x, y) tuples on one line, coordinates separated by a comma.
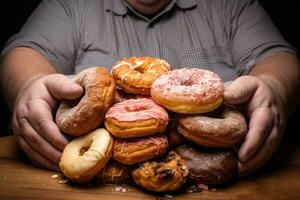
[(279, 179)]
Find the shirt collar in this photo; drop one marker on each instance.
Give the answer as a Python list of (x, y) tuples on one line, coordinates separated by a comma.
[(118, 7)]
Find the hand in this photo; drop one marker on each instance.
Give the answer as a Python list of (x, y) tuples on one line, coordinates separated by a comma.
[(32, 122), (265, 112)]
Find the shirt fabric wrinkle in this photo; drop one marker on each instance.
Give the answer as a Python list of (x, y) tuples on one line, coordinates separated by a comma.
[(217, 35)]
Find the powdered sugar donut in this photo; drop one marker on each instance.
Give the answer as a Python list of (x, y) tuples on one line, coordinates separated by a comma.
[(188, 90)]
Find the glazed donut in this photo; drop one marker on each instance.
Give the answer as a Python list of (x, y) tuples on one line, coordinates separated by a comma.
[(210, 167), (188, 90), (113, 172), (136, 74), (168, 175), (134, 150), (223, 127), (136, 118), (86, 155), (81, 116)]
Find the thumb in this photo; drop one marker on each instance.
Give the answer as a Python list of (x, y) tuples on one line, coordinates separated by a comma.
[(61, 87), (240, 90)]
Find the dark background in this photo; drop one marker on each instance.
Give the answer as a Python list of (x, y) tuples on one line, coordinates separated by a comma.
[(285, 14)]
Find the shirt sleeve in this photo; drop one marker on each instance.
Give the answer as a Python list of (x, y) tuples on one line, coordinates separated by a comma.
[(51, 31), (253, 35)]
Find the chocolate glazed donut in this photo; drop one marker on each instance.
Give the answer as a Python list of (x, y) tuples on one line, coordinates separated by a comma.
[(209, 166)]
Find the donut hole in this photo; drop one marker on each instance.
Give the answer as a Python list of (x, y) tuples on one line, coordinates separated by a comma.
[(83, 150), (164, 174), (130, 108), (140, 69), (187, 82), (72, 103)]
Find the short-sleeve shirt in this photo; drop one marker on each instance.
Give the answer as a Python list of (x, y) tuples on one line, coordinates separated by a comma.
[(225, 36)]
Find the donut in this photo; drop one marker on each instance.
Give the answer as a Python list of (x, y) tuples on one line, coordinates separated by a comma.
[(223, 127), (167, 175), (188, 90), (86, 155), (136, 74), (113, 172), (174, 138), (81, 116), (136, 118), (130, 151), (121, 95), (209, 166)]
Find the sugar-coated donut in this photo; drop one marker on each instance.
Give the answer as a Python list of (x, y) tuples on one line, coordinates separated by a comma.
[(223, 127), (134, 150), (188, 90), (136, 74), (86, 155), (209, 166), (136, 118), (113, 172), (81, 116), (168, 175)]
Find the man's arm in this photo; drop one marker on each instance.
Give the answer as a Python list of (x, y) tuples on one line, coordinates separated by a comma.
[(19, 67), (32, 88), (267, 93), (282, 72)]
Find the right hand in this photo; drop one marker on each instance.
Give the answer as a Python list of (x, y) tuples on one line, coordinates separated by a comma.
[(32, 122)]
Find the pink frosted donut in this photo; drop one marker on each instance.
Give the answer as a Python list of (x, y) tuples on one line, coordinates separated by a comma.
[(188, 90), (136, 118)]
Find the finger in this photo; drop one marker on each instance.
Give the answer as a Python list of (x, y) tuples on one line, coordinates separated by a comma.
[(34, 155), (240, 90), (262, 155), (42, 121), (37, 142), (61, 87), (260, 126)]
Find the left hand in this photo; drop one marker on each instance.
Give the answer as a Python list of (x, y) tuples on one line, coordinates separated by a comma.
[(266, 116)]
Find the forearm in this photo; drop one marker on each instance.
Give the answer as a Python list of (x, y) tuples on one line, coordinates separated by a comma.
[(282, 72), (18, 68)]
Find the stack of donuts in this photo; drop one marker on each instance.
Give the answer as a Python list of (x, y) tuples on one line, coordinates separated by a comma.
[(144, 122)]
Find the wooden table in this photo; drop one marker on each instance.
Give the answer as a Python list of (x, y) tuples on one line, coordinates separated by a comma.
[(279, 179)]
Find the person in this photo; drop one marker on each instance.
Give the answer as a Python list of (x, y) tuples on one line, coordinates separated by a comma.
[(234, 38)]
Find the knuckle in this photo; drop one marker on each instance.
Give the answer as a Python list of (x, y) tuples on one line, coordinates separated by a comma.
[(43, 125)]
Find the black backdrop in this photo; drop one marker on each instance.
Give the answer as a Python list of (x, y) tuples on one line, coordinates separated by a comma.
[(285, 14)]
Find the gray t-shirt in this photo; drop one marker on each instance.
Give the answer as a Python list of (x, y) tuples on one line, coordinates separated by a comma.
[(225, 36)]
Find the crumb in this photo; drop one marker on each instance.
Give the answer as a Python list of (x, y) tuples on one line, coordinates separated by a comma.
[(202, 186), (193, 188), (63, 181), (54, 176), (168, 196), (118, 189)]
